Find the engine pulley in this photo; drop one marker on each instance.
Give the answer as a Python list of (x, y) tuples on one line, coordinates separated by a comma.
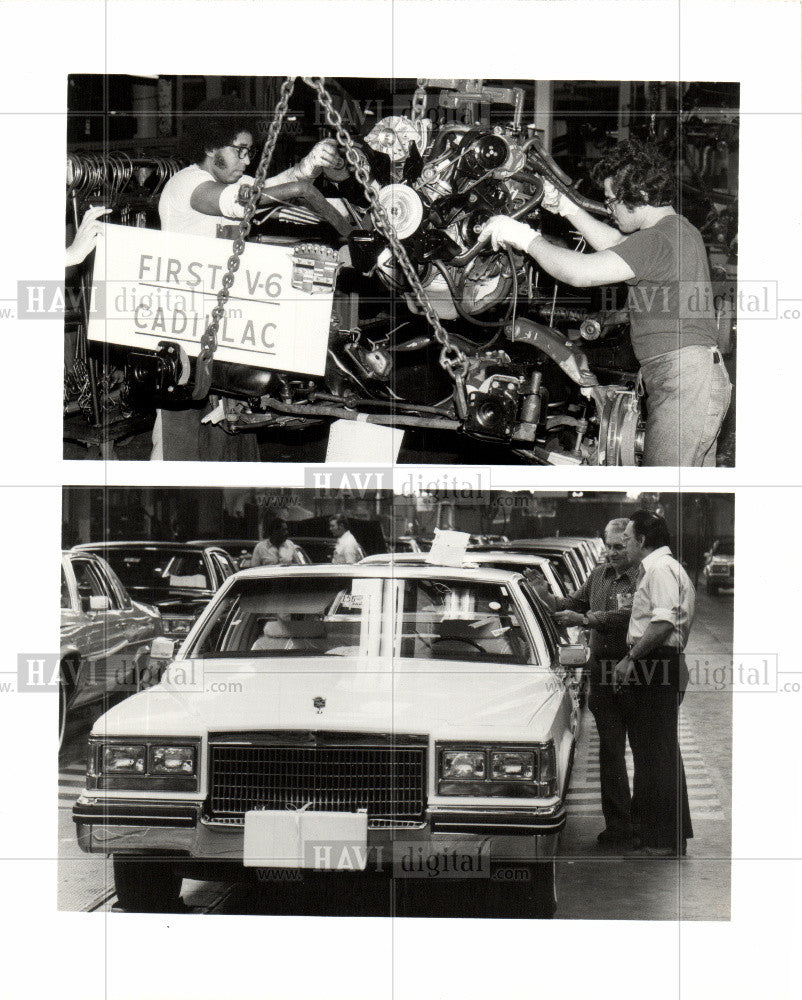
[(620, 429), (404, 208)]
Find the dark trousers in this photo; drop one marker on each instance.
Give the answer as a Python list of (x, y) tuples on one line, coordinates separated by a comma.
[(611, 714), (186, 439), (660, 788)]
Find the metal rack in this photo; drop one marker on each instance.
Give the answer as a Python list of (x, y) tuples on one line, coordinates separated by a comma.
[(95, 414)]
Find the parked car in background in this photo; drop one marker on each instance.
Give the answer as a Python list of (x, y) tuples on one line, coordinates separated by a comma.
[(580, 548), (404, 543), (178, 577), (105, 635), (390, 711), (241, 550), (719, 565), (566, 562), (488, 539), (536, 569), (593, 548)]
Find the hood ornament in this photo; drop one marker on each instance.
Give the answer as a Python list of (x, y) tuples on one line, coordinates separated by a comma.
[(320, 704)]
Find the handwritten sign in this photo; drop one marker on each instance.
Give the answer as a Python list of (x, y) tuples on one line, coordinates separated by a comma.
[(448, 548), (156, 286)]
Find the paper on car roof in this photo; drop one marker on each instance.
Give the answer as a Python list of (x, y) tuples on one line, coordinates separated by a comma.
[(448, 548)]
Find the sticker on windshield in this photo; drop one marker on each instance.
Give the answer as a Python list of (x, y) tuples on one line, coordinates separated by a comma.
[(352, 602)]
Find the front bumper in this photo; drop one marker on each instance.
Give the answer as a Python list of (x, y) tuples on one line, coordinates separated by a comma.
[(138, 826)]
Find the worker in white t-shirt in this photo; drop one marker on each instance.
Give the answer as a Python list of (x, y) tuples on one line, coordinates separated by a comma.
[(347, 549), (194, 202)]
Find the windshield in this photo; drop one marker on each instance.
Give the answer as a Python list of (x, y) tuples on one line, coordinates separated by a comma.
[(159, 569), (724, 547), (433, 619)]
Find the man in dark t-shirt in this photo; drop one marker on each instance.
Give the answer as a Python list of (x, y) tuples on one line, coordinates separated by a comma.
[(662, 258)]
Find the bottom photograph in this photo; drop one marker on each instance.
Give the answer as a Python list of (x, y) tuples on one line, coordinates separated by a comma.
[(332, 703)]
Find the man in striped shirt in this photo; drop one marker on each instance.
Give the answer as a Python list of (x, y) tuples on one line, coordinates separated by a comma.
[(603, 604)]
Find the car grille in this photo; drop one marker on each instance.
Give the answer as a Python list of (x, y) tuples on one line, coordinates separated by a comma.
[(388, 781)]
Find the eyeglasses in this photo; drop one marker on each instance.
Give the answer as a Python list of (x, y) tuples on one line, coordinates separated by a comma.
[(243, 152)]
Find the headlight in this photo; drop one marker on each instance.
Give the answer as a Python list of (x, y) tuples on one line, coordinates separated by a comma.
[(463, 765), (518, 765), (177, 626), (122, 759), (513, 772), (148, 765), (172, 760)]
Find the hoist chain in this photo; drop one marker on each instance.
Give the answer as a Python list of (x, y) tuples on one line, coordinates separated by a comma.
[(208, 343), (418, 104), (452, 359)]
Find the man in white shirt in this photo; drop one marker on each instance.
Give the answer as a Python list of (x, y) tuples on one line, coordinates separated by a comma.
[(655, 675), (347, 550), (194, 202), (277, 549)]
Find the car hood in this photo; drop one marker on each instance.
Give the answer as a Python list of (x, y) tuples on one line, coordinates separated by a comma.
[(175, 602), (454, 699)]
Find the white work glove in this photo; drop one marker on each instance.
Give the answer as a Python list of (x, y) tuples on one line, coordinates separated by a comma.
[(86, 237), (323, 156), (503, 231), (555, 201)]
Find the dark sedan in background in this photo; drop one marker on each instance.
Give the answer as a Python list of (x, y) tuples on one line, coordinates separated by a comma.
[(179, 578)]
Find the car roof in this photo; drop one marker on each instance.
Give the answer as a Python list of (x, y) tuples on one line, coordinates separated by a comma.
[(553, 542), (420, 571), (220, 543), (472, 558), (178, 546)]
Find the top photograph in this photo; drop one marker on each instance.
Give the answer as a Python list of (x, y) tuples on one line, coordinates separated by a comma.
[(317, 269)]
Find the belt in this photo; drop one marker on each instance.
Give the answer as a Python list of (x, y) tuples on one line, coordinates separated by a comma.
[(717, 359), (658, 652)]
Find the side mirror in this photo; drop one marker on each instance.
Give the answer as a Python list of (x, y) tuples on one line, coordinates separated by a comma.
[(162, 648), (99, 603), (573, 655)]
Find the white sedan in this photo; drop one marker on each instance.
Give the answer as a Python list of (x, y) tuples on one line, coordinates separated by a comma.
[(342, 718)]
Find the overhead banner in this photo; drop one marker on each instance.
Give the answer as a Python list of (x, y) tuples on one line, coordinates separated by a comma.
[(150, 286)]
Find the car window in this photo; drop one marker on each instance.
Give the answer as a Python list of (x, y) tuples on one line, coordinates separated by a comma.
[(544, 620), (188, 571), (533, 572), (433, 619), (556, 584), (459, 620), (121, 598), (158, 569), (222, 568), (89, 583), (562, 570), (66, 597)]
